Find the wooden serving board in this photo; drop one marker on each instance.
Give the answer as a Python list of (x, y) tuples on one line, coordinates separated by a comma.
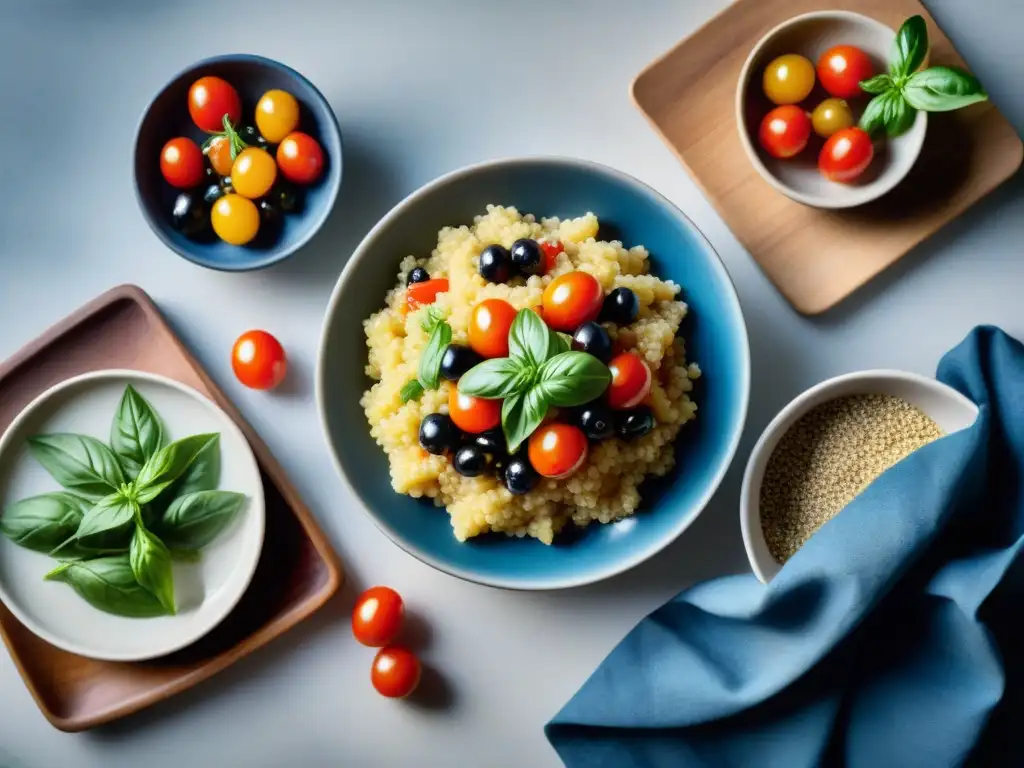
[(297, 571), (815, 257)]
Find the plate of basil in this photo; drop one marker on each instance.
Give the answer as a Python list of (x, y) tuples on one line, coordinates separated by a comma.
[(131, 515)]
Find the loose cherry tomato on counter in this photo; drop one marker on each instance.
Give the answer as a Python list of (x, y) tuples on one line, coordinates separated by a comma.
[(209, 99), (420, 294), (218, 152), (181, 163), (473, 414), (830, 116), (396, 672), (235, 219), (253, 173), (557, 450), (377, 616), (784, 131), (277, 115), (300, 158), (788, 79), (841, 68), (550, 253), (571, 300), (631, 381), (258, 359), (489, 324), (846, 155)]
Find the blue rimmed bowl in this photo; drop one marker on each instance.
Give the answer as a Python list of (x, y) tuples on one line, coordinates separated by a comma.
[(715, 334), (167, 116)]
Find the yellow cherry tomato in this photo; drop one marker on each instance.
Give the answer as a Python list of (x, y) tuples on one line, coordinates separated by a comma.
[(830, 116), (277, 115), (235, 219), (253, 173), (788, 79)]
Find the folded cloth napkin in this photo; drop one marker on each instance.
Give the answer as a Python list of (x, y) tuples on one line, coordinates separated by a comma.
[(893, 638)]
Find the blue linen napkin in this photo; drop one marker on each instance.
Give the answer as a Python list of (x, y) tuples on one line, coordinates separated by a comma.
[(893, 638)]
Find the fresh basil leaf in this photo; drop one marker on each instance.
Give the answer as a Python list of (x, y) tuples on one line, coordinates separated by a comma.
[(168, 464), (151, 563), (195, 520), (900, 116), (109, 514), (80, 463), (108, 583), (137, 432), (43, 522), (186, 555), (561, 342), (529, 339), (877, 84), (943, 89), (573, 378), (203, 474), (412, 390), (432, 315), (429, 373), (875, 113), (496, 378), (909, 48), (521, 414)]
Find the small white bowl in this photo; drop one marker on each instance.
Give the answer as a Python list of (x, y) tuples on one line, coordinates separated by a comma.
[(947, 407), (810, 35)]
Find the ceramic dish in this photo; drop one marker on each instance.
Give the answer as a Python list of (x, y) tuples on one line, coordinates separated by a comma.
[(714, 330), (810, 35), (946, 407), (206, 591)]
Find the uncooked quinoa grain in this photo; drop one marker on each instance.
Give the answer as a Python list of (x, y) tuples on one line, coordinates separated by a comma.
[(828, 457)]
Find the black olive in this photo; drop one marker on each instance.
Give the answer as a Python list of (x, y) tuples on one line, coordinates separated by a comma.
[(520, 476), (286, 197), (418, 275), (213, 193), (492, 441), (621, 307), (456, 360), (226, 185), (634, 423), (437, 433), (526, 256), (251, 136), (189, 215), (495, 264), (593, 339), (595, 419), (471, 460)]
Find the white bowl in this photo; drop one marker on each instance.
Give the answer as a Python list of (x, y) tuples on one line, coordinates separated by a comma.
[(810, 35), (205, 591), (947, 407)]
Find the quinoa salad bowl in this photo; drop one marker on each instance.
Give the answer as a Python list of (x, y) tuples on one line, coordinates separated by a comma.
[(533, 373)]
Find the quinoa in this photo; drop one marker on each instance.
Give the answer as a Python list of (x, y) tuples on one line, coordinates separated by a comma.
[(606, 487), (831, 454)]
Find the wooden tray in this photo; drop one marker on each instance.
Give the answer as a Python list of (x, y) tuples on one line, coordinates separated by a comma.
[(816, 258), (297, 572)]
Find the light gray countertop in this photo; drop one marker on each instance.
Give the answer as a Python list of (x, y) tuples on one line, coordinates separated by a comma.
[(420, 88)]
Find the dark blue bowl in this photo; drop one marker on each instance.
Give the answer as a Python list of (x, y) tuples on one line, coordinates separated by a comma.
[(715, 334), (167, 116)]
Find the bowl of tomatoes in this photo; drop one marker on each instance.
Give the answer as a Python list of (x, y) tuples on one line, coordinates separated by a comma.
[(801, 104), (237, 162)]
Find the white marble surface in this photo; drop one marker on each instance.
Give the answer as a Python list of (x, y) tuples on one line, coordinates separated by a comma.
[(420, 88)]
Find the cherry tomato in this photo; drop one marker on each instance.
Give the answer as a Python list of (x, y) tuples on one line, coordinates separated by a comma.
[(473, 414), (377, 616), (489, 324), (788, 79), (631, 381), (830, 116), (846, 155), (419, 294), (300, 158), (253, 173), (277, 115), (557, 450), (784, 131), (572, 299), (209, 99), (550, 252), (841, 68), (235, 219), (396, 672), (258, 360), (181, 163), (218, 152)]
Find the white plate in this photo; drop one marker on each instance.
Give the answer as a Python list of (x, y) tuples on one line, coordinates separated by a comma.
[(205, 591)]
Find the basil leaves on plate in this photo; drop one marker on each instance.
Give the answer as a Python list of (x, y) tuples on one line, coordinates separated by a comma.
[(129, 510)]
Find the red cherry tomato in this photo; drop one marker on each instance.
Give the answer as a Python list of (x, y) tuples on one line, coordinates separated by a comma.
[(396, 672), (377, 616), (473, 414), (841, 68), (209, 99), (557, 450), (258, 360), (571, 300), (300, 158), (784, 131), (550, 253), (631, 381), (419, 294), (181, 163), (846, 155), (489, 324)]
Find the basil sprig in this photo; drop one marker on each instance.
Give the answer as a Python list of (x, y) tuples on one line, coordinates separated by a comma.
[(905, 89), (540, 372)]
